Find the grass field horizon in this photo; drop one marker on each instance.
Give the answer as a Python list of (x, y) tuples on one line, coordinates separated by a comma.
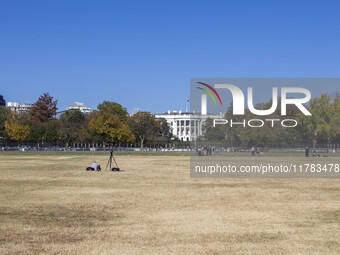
[(51, 205), (185, 152)]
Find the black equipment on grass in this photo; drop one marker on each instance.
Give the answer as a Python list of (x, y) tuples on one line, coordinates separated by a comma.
[(110, 163)]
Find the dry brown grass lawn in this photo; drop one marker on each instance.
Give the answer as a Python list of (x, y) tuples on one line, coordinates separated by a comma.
[(50, 205)]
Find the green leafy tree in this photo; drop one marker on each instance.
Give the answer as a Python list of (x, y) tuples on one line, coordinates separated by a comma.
[(265, 136), (144, 126), (334, 125), (316, 128), (37, 132), (73, 126), (211, 133), (114, 109), (4, 115), (51, 131), (164, 128)]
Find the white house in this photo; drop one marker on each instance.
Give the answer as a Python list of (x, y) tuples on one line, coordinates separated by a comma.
[(187, 126)]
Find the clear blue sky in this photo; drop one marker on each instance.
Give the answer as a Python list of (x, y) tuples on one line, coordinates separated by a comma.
[(143, 53)]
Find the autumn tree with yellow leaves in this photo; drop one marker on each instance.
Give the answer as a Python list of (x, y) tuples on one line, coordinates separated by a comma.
[(16, 130)]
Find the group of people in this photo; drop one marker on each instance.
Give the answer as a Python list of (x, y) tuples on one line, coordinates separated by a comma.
[(205, 151), (255, 150)]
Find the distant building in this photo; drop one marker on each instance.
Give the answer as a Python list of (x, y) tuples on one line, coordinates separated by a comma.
[(135, 110), (19, 107), (79, 106), (186, 126), (2, 101)]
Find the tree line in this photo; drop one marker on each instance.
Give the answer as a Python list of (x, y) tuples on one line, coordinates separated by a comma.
[(109, 125), (320, 129)]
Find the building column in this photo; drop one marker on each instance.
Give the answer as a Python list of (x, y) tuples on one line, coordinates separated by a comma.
[(194, 127), (199, 128), (180, 129)]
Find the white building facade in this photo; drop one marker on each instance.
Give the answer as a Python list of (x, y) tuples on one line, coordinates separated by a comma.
[(186, 126), (19, 107), (79, 106)]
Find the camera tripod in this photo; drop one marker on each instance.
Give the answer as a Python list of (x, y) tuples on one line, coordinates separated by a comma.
[(110, 163)]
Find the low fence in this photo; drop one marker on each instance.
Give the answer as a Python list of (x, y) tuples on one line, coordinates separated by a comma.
[(162, 149), (93, 149)]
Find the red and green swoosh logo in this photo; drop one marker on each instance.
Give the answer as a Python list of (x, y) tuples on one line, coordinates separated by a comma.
[(209, 93)]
